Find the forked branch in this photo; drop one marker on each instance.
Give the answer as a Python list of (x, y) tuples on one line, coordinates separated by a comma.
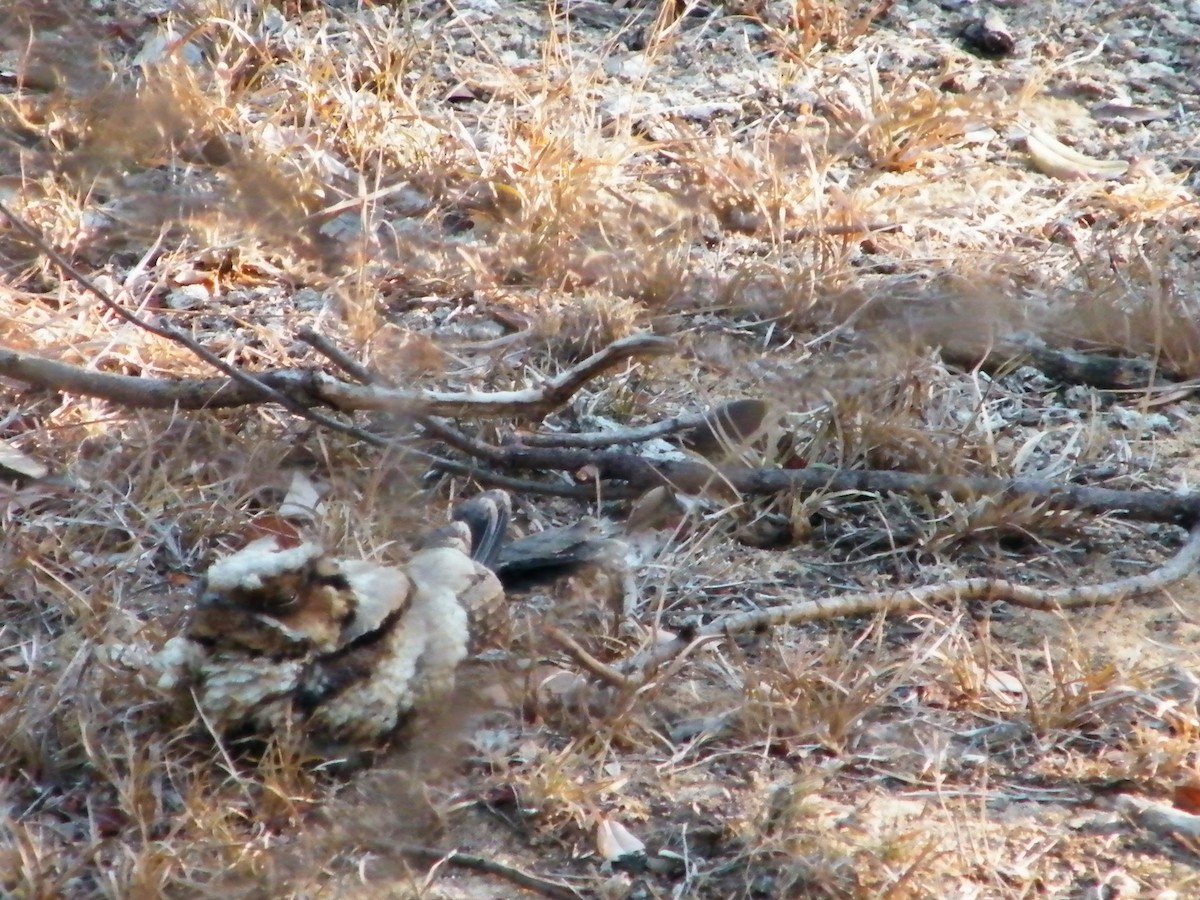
[(308, 388)]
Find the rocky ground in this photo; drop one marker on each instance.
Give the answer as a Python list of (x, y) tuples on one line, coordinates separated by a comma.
[(861, 215)]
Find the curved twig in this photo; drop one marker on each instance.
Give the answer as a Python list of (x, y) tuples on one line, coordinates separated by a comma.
[(532, 402), (303, 389), (543, 886), (586, 661), (297, 391), (906, 599)]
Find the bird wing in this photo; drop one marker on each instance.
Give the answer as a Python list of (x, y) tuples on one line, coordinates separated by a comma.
[(382, 593)]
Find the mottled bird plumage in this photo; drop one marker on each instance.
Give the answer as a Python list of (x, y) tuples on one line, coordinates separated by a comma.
[(288, 638)]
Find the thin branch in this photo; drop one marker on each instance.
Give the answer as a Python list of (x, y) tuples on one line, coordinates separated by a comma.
[(690, 476), (586, 661), (339, 357), (543, 886), (531, 402), (302, 389), (906, 599), (257, 388), (520, 485), (616, 436), (799, 234), (459, 440)]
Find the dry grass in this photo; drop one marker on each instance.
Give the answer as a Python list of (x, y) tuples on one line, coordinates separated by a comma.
[(480, 195)]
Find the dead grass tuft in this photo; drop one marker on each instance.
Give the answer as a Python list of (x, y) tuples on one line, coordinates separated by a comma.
[(830, 206)]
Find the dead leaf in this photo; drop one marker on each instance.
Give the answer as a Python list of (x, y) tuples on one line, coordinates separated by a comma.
[(614, 841), (303, 500), (1119, 112), (1187, 797), (1050, 157), (19, 463)]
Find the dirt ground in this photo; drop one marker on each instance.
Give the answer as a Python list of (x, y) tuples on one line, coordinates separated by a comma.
[(848, 211)]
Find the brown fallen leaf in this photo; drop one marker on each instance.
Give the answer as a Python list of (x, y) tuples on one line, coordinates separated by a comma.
[(726, 428), (1139, 115), (1187, 796)]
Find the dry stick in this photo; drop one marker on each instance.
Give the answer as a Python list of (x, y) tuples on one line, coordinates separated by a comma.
[(258, 389), (339, 357), (990, 589), (586, 661), (327, 390), (296, 388), (449, 435), (585, 492), (443, 430), (632, 435), (799, 234), (690, 476), (546, 398), (543, 886)]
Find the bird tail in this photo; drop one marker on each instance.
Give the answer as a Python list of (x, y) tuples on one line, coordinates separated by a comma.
[(486, 515), (477, 527)]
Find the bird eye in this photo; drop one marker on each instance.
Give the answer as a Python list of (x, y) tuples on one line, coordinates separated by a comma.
[(209, 598), (327, 574)]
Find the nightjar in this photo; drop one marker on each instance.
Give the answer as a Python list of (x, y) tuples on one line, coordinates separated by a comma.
[(288, 639)]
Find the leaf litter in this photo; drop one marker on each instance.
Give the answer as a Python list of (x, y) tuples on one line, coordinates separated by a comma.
[(426, 181)]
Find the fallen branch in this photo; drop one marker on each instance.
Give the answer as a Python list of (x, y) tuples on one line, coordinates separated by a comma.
[(543, 886), (297, 391), (733, 422), (339, 357), (586, 661), (991, 590), (1069, 366), (304, 389), (530, 402), (691, 476)]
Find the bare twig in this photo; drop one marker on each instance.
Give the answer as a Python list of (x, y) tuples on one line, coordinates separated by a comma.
[(325, 389), (459, 440), (690, 476), (339, 357), (616, 436), (302, 389), (989, 589), (255, 387), (521, 485), (802, 233), (531, 402), (572, 648), (543, 886), (633, 435)]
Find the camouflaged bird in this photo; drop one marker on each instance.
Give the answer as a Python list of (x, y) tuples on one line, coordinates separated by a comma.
[(289, 639)]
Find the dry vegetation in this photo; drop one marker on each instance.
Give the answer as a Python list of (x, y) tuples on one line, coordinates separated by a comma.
[(829, 205)]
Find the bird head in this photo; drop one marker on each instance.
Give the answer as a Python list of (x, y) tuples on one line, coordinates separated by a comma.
[(281, 601)]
